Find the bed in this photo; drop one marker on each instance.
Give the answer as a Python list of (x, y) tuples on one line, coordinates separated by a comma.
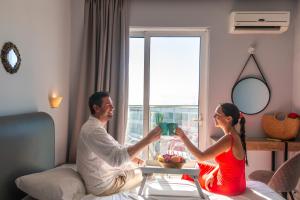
[(27, 146)]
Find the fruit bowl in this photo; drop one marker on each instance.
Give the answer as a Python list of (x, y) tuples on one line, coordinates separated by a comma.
[(171, 161), (171, 165)]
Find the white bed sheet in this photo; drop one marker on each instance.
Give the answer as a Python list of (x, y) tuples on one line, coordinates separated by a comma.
[(163, 189), (166, 189)]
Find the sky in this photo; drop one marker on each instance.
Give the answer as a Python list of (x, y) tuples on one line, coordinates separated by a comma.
[(174, 70)]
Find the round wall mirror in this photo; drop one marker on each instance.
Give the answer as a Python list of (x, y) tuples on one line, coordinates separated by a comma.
[(251, 95), (10, 57)]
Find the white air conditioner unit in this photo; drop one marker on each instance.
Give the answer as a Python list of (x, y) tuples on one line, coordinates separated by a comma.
[(248, 22)]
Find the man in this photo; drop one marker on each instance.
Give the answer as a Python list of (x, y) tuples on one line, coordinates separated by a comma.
[(101, 160)]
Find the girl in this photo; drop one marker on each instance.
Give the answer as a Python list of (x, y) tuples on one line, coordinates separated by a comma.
[(228, 177)]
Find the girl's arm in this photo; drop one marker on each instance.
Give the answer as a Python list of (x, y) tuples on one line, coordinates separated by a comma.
[(220, 146)]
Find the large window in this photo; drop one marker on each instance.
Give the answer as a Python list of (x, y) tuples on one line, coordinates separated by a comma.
[(164, 79)]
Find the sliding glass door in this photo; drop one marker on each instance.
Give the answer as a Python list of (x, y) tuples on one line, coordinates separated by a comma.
[(164, 80)]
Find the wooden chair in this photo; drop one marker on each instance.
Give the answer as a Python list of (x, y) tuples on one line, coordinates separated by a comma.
[(284, 179)]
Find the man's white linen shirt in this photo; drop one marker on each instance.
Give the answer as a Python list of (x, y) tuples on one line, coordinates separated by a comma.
[(100, 157)]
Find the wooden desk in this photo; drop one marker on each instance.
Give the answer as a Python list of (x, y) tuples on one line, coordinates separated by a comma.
[(265, 144), (294, 145)]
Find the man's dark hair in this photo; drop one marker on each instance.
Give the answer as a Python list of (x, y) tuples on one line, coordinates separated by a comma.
[(96, 99)]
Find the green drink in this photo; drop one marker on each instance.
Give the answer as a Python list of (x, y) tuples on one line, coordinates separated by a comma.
[(172, 128), (159, 117), (164, 129)]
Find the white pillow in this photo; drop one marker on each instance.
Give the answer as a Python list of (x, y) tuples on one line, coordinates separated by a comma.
[(55, 184)]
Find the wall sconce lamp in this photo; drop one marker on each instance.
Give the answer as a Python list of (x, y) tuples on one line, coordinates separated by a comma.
[(55, 100)]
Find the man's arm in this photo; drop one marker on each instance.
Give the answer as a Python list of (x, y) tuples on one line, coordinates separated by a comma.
[(106, 147), (134, 150), (111, 151)]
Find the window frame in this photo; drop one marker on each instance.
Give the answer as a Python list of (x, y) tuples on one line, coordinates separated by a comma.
[(203, 33)]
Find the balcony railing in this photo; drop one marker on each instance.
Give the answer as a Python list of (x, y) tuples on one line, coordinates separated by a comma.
[(184, 115)]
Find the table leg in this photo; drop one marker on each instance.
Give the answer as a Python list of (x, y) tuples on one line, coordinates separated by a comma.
[(273, 161), (143, 184), (286, 151), (202, 196)]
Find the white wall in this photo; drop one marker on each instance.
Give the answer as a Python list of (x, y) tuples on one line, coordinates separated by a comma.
[(229, 52), (41, 31)]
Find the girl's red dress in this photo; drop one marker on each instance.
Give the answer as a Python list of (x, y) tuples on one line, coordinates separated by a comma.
[(229, 179)]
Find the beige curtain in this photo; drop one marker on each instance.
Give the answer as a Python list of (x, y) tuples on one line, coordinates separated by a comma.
[(104, 66)]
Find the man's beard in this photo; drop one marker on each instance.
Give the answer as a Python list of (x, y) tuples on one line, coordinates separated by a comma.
[(109, 115), (216, 124)]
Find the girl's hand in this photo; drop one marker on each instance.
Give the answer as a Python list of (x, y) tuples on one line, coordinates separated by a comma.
[(209, 181), (180, 133)]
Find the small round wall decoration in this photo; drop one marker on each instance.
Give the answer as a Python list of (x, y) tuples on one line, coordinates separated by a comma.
[(10, 57)]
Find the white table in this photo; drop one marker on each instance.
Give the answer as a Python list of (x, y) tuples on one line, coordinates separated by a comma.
[(192, 172)]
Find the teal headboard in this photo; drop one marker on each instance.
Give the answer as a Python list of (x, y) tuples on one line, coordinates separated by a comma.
[(26, 146)]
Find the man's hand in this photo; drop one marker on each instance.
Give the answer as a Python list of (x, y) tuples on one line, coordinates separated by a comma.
[(138, 161), (154, 134)]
